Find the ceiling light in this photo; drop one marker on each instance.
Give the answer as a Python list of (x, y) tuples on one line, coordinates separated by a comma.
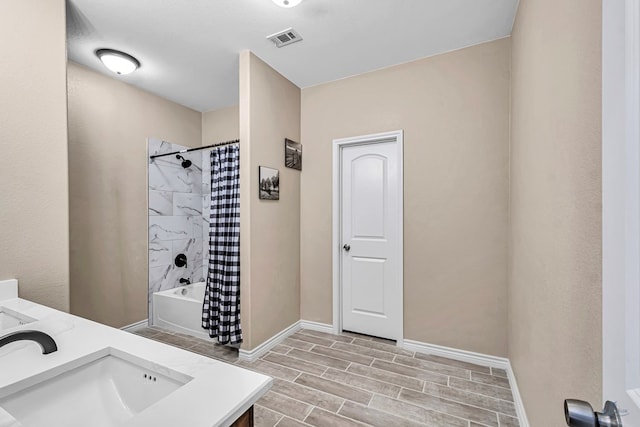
[(287, 3), (118, 62)]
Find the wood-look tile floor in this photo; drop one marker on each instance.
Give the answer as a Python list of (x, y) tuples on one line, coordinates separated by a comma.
[(326, 380)]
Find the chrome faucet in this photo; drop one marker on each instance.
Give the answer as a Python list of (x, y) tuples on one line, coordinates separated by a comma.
[(46, 342)]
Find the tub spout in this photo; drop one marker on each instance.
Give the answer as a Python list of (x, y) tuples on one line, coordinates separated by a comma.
[(46, 342)]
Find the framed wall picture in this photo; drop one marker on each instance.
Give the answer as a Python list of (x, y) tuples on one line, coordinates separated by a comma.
[(292, 154), (269, 183)]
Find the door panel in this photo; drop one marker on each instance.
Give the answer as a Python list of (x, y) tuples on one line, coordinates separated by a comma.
[(367, 285), (368, 193), (621, 208), (371, 226)]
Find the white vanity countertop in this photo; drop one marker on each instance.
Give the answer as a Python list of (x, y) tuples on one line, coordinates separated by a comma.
[(218, 394)]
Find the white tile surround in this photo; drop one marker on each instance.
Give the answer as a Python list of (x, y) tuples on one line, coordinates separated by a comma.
[(206, 207), (196, 404), (175, 218), (187, 204), (160, 203), (179, 206)]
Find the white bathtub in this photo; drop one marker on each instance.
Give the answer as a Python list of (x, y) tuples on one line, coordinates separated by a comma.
[(180, 309)]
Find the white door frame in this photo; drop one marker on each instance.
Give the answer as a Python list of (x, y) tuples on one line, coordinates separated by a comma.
[(338, 145), (621, 205)]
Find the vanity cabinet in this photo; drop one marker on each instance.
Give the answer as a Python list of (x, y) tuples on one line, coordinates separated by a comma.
[(245, 420)]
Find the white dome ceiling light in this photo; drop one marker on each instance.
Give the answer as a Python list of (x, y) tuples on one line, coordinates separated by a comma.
[(118, 62), (287, 3)]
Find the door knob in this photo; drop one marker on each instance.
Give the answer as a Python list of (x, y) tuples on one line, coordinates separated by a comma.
[(579, 413), (346, 247)]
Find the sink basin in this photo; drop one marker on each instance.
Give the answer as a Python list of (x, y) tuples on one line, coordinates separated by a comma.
[(10, 319), (102, 389)]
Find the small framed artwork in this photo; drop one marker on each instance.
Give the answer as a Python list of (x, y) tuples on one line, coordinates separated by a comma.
[(292, 154), (269, 183)]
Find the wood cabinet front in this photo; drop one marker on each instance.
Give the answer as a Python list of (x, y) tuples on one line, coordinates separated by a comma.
[(245, 420)]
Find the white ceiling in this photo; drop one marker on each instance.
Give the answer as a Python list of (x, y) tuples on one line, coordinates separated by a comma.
[(189, 48)]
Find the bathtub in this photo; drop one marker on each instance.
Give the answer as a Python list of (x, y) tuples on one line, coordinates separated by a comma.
[(180, 309)]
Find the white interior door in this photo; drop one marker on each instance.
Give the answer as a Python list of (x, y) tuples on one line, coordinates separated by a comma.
[(621, 207), (371, 228)]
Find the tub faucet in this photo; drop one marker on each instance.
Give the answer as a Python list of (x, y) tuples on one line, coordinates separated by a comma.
[(46, 342), (185, 281)]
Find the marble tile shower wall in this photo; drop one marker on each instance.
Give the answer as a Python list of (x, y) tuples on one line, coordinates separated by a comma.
[(206, 207), (176, 223)]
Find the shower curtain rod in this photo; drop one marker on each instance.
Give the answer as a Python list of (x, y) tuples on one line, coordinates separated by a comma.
[(235, 141)]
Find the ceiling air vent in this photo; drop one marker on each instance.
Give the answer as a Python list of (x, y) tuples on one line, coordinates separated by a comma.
[(285, 37)]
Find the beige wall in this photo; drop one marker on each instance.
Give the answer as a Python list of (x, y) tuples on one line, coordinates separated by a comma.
[(34, 213), (454, 110), (556, 258), (270, 238), (109, 123), (220, 125)]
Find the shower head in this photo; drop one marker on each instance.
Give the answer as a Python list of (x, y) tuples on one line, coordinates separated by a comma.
[(185, 163)]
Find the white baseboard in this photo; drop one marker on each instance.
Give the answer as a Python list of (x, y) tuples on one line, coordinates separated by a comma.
[(135, 326), (316, 326), (478, 359), (256, 353), (455, 354), (517, 399), (252, 355)]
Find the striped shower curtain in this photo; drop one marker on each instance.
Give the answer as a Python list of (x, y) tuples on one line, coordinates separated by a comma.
[(221, 306)]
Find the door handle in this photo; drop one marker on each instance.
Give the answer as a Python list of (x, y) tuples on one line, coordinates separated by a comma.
[(579, 413), (346, 247)]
